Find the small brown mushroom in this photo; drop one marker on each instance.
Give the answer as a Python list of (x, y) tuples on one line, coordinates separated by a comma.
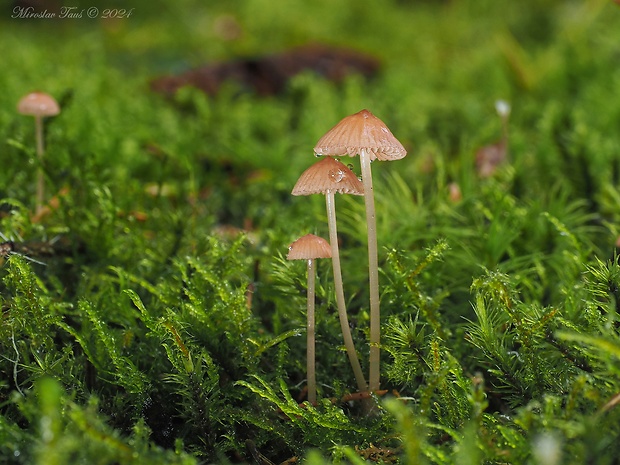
[(329, 176), (366, 135), (310, 247), (39, 104)]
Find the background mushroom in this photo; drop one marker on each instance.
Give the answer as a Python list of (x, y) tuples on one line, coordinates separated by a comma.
[(489, 157), (366, 135), (39, 104), (329, 176), (310, 247)]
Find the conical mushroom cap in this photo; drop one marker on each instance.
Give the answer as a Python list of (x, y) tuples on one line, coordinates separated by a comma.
[(309, 247), (38, 104), (328, 175), (363, 130)]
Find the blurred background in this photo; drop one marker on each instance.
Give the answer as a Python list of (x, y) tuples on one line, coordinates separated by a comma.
[(183, 94)]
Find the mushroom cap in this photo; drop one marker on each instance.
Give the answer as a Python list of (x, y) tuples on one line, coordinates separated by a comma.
[(309, 247), (38, 104), (328, 175), (363, 130)]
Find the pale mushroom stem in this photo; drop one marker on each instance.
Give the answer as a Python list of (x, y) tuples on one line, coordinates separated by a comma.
[(374, 377), (342, 311), (38, 121), (310, 350)]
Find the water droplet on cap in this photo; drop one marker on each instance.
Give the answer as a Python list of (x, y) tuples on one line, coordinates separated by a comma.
[(336, 175)]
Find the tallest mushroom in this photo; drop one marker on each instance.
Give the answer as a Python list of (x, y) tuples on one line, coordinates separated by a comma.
[(366, 135)]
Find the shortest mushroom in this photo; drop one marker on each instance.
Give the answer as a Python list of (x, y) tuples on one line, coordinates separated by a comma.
[(308, 248), (38, 104)]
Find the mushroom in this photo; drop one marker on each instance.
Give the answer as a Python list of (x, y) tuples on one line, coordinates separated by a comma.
[(366, 135), (489, 157), (39, 104), (329, 176), (310, 247), (454, 192)]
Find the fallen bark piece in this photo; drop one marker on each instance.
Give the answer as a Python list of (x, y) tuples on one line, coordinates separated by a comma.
[(269, 75)]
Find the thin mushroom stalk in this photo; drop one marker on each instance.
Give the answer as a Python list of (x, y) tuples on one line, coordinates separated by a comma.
[(310, 334), (38, 121), (374, 377), (339, 286)]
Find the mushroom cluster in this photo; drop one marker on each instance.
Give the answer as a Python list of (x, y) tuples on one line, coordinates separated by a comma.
[(365, 135)]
